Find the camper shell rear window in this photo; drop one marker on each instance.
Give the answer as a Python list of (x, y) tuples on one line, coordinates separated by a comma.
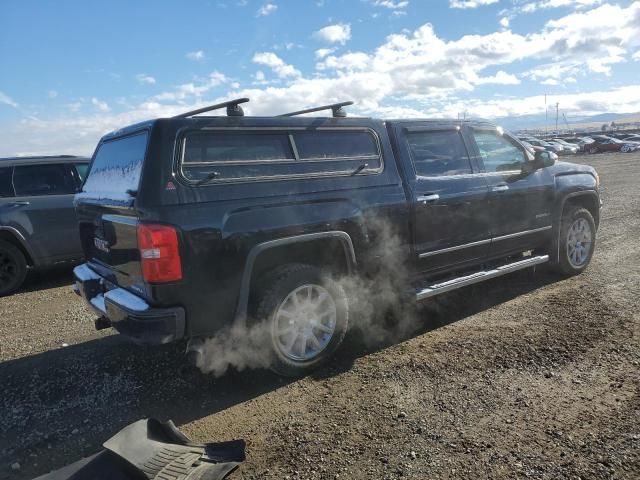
[(116, 168), (254, 155)]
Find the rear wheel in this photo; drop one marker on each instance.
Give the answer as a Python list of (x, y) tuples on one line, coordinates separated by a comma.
[(576, 241), (593, 150), (13, 268), (306, 314)]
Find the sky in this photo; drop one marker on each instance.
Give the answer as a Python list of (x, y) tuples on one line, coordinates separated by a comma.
[(73, 70)]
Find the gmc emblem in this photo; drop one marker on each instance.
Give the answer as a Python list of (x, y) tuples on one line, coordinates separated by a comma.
[(101, 244)]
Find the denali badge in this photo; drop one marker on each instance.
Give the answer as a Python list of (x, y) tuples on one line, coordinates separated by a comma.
[(101, 244)]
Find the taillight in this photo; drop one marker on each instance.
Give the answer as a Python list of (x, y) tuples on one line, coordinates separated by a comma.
[(159, 253)]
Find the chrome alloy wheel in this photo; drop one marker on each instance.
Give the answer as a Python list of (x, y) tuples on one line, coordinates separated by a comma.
[(304, 323), (579, 241)]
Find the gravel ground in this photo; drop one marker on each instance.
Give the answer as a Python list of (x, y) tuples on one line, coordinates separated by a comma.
[(527, 376)]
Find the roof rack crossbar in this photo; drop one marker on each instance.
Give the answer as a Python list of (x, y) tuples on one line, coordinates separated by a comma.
[(233, 108), (336, 108)]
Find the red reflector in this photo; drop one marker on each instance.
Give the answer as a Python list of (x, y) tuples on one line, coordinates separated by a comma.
[(159, 253)]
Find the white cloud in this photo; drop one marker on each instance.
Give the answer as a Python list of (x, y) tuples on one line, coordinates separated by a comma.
[(338, 33), (470, 3), (7, 100), (275, 63), (391, 4), (52, 93), (504, 22), (196, 56), (323, 52), (145, 79), (500, 78), (636, 56), (266, 9), (545, 4), (100, 105), (188, 91)]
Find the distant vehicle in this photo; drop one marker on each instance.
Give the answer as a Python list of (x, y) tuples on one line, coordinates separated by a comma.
[(194, 224), (603, 143), (532, 148), (546, 145), (38, 226), (569, 148), (632, 138)]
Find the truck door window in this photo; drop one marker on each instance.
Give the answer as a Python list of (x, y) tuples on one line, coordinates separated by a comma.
[(6, 187), (437, 153), (497, 152), (31, 180)]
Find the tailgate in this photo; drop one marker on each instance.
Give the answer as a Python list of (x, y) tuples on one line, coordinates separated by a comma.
[(107, 213)]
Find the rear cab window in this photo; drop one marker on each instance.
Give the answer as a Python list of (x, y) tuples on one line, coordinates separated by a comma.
[(438, 153), (116, 168), (252, 155)]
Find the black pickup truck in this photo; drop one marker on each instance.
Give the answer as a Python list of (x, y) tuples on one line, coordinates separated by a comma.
[(194, 224)]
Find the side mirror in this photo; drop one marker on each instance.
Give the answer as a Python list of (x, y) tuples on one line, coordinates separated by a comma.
[(544, 159)]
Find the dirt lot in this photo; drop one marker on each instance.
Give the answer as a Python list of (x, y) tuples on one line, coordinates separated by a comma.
[(526, 376)]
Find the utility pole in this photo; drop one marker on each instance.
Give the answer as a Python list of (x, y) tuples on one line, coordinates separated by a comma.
[(557, 105), (546, 115)]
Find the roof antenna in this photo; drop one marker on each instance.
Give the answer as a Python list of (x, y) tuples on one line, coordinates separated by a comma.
[(233, 108)]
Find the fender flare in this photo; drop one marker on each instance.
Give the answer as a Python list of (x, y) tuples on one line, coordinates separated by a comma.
[(581, 193), (22, 241), (245, 284)]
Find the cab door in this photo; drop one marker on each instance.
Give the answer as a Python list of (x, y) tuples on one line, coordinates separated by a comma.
[(520, 199), (44, 209), (449, 199)]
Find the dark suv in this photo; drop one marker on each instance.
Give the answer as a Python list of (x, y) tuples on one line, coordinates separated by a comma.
[(38, 226), (193, 225)]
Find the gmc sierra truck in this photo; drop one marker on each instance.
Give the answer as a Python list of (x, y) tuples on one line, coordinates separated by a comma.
[(194, 224)]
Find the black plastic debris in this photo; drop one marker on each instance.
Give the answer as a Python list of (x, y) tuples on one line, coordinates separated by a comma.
[(149, 449)]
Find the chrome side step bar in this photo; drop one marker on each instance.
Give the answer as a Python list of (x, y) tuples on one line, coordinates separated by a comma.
[(477, 277)]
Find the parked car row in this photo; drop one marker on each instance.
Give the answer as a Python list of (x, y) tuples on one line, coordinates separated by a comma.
[(583, 144)]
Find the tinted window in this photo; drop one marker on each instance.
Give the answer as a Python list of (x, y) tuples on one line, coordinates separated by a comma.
[(117, 166), (43, 180), (237, 147), (324, 144), (261, 155), (498, 153), (6, 188), (438, 153)]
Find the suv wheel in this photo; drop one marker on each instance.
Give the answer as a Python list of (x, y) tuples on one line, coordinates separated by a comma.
[(13, 268), (576, 241), (306, 314), (593, 150)]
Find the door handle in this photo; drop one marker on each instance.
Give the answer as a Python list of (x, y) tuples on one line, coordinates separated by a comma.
[(431, 197), (500, 188)]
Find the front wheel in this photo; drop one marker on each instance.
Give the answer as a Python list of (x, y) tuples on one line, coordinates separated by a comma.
[(576, 241), (593, 150), (306, 314)]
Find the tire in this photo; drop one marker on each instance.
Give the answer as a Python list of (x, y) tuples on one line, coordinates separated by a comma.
[(593, 150), (303, 341), (625, 149), (577, 229), (13, 268)]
